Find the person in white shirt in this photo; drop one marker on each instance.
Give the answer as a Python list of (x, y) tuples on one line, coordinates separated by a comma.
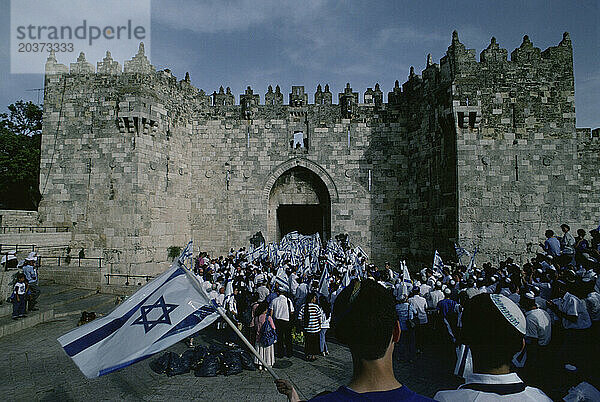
[(262, 291), (419, 304), (424, 289), (220, 299), (282, 308), (301, 293), (493, 328), (212, 294), (592, 301), (231, 303), (575, 320), (293, 281), (571, 309), (537, 337), (435, 296)]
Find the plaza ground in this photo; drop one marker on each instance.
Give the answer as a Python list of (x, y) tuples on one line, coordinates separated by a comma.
[(36, 368)]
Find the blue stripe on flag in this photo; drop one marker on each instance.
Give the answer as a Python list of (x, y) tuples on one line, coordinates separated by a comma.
[(124, 364), (190, 321), (106, 330)]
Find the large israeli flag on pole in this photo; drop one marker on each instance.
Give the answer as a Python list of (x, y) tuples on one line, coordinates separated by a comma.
[(170, 308)]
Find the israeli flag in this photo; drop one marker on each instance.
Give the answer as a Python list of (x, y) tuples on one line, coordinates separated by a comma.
[(360, 252), (281, 280), (346, 279), (187, 252), (170, 308), (405, 274), (460, 251), (472, 262), (407, 283), (331, 259), (324, 283), (438, 264), (464, 362)]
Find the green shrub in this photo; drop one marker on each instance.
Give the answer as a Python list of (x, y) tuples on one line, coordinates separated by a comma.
[(173, 252)]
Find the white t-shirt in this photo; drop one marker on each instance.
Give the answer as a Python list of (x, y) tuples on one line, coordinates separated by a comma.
[(539, 326), (20, 288), (572, 305), (281, 310), (592, 303), (420, 305), (424, 289), (433, 298)]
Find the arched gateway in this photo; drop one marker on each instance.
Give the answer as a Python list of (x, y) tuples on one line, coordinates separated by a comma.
[(298, 196)]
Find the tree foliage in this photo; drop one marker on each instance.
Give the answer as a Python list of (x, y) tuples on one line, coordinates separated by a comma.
[(20, 142)]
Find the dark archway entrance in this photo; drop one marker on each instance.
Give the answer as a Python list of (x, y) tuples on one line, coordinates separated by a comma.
[(306, 219), (299, 200)]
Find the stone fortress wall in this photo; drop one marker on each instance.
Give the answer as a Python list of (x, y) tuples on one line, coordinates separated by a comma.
[(137, 161)]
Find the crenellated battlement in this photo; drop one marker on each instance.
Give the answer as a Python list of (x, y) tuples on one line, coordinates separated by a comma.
[(458, 63)]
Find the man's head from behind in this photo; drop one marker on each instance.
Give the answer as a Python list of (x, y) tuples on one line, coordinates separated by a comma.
[(493, 326), (364, 317)]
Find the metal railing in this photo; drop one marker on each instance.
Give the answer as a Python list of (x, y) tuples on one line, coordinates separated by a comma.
[(34, 229), (68, 260), (4, 248), (127, 276)]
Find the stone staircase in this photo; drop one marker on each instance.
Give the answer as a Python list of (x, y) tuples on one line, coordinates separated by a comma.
[(56, 301)]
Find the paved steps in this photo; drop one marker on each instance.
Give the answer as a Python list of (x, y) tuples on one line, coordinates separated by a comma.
[(56, 301), (98, 303)]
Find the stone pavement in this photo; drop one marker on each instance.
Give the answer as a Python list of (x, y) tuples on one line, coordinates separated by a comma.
[(36, 368)]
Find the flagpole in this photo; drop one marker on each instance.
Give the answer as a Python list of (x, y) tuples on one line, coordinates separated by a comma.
[(231, 324), (246, 342)]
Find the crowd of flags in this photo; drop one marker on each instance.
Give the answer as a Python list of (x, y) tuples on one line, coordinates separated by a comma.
[(304, 251)]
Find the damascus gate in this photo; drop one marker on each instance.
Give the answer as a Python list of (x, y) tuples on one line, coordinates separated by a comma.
[(481, 150)]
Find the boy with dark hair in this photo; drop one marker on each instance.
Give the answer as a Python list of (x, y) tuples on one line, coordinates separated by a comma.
[(552, 245), (364, 319), (493, 328)]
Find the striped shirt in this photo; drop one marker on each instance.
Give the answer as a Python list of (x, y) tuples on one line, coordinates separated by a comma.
[(314, 318)]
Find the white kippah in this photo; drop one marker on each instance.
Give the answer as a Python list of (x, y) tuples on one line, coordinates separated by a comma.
[(447, 291), (510, 311)]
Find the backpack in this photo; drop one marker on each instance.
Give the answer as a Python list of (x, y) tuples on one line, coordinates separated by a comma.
[(268, 336)]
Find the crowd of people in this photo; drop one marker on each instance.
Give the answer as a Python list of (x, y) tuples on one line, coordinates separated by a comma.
[(557, 293)]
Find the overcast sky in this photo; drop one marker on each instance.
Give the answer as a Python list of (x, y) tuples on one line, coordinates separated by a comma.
[(237, 43)]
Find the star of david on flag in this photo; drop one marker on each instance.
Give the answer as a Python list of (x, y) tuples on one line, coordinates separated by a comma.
[(163, 319), (166, 310)]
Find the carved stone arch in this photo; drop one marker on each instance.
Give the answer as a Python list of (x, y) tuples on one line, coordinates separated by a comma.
[(303, 162), (298, 195)]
